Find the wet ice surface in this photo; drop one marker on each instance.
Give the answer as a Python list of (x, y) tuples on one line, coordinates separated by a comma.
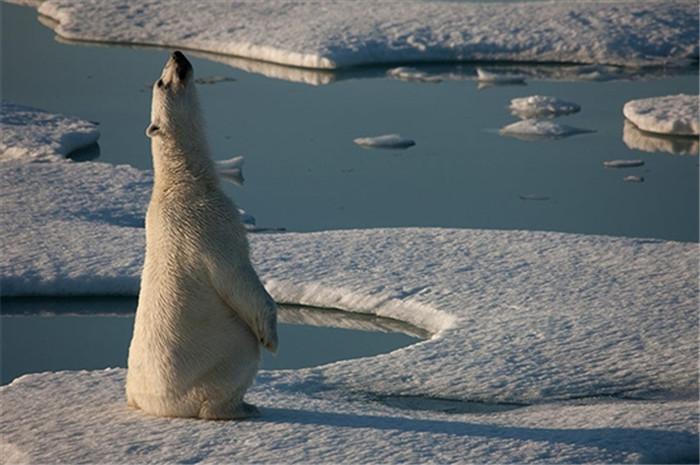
[(623, 163)]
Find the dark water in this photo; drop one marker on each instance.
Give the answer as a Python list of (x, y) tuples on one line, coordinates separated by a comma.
[(65, 334), (304, 173)]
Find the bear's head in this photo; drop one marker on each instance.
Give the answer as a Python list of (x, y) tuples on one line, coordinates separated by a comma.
[(174, 106)]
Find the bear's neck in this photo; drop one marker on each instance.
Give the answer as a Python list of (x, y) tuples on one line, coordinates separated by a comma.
[(182, 161)]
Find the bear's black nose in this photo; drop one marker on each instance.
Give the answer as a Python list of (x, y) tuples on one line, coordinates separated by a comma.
[(182, 65)]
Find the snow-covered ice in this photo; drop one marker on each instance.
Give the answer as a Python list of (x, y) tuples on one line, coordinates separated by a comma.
[(386, 141), (541, 106), (672, 114), (595, 337), (534, 129), (338, 34), (623, 163), (28, 133), (650, 142)]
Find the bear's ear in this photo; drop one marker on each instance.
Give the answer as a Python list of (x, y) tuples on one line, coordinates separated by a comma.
[(152, 130)]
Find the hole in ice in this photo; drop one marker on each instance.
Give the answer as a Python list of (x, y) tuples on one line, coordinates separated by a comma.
[(51, 334), (87, 153), (445, 405)]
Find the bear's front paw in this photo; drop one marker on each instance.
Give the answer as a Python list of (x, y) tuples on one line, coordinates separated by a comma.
[(267, 329)]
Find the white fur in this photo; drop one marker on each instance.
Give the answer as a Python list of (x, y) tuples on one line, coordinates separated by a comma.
[(202, 311)]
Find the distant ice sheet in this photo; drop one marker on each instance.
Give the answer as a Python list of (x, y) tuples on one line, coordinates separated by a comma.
[(533, 129), (541, 106), (387, 141), (339, 34), (30, 134), (672, 114)]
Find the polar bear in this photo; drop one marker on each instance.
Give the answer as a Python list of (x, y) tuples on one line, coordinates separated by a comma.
[(202, 311)]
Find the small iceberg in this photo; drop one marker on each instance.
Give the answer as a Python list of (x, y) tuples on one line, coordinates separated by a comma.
[(672, 114), (623, 163), (495, 78), (633, 179), (541, 106), (405, 73), (387, 141), (533, 129)]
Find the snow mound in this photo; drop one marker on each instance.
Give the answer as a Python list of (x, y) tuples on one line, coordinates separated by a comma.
[(623, 163), (541, 106), (28, 133), (387, 141), (534, 129), (672, 114), (339, 34)]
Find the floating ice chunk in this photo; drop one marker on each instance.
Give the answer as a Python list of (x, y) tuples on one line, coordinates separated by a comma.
[(533, 129), (412, 74), (637, 139), (672, 114), (623, 163), (541, 106), (342, 34), (387, 141), (31, 134), (231, 170), (633, 179), (495, 78)]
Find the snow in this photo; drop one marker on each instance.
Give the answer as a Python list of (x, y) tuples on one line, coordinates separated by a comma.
[(337, 34), (672, 114), (648, 142), (28, 133), (623, 163), (594, 337), (386, 141), (534, 129), (541, 106)]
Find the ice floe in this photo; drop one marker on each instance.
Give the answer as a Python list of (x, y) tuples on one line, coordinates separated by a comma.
[(386, 141), (571, 327), (672, 114), (341, 34), (534, 129), (623, 163), (412, 74), (541, 106), (29, 133), (650, 142), (633, 179)]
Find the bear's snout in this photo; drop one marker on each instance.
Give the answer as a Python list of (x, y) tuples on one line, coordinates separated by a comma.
[(182, 64)]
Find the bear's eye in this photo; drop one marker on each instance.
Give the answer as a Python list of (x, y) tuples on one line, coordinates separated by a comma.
[(159, 83)]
